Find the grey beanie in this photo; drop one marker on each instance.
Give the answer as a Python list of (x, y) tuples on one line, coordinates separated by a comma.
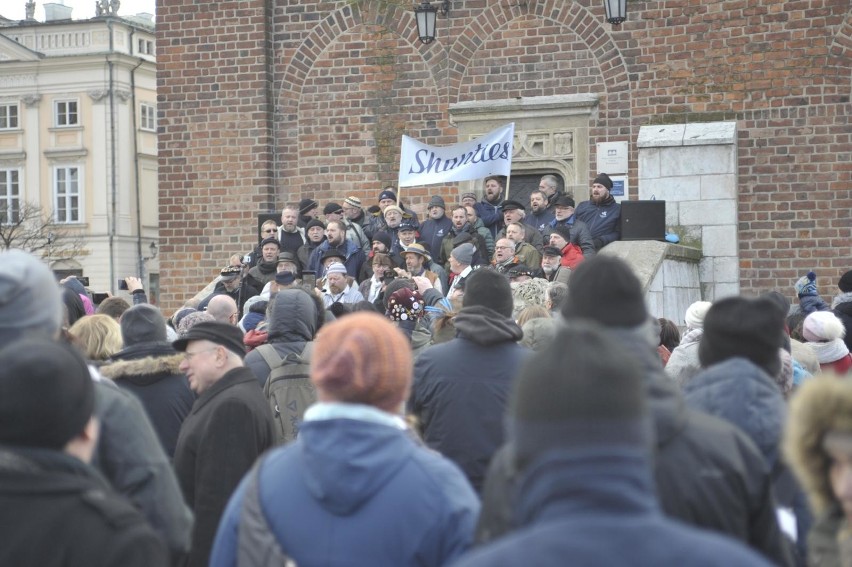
[(142, 324), (463, 253), (30, 299)]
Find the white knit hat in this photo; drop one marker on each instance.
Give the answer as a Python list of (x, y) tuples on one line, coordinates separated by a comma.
[(694, 317)]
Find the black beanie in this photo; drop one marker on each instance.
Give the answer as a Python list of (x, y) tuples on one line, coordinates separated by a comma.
[(605, 289), (604, 180), (845, 283), (743, 327), (46, 394), (488, 288), (143, 323), (584, 389)]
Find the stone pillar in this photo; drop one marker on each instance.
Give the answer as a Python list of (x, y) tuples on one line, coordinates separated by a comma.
[(693, 167)]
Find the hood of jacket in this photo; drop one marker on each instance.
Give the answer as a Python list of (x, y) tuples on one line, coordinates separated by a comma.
[(143, 371), (842, 302), (293, 317), (31, 470), (738, 391), (485, 326), (347, 461)]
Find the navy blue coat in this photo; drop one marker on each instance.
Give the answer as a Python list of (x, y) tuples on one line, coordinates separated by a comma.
[(432, 233), (604, 220)]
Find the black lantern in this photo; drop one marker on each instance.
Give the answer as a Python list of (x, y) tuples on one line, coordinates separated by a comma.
[(426, 15), (616, 11)]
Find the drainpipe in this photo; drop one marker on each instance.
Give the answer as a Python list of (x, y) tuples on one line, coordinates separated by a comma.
[(113, 160), (140, 259)]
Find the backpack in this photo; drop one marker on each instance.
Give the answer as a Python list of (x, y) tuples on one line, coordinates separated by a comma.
[(256, 544), (288, 389)]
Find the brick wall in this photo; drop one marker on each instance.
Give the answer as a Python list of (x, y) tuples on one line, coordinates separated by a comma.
[(346, 79)]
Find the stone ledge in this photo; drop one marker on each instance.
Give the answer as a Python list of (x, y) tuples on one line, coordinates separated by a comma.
[(645, 257)]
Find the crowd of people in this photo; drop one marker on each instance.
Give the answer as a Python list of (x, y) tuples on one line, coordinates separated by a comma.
[(483, 388)]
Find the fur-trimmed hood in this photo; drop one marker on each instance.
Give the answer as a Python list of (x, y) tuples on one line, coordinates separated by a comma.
[(822, 404), (148, 369)]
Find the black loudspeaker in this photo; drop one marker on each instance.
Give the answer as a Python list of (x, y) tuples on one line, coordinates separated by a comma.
[(643, 220), (262, 218)]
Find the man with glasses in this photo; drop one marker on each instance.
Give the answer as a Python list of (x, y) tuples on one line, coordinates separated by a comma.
[(354, 213), (224, 309), (504, 256), (229, 426), (354, 232)]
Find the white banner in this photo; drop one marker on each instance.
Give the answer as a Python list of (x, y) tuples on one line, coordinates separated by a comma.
[(491, 154)]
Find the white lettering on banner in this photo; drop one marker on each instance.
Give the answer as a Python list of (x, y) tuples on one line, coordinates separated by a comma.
[(491, 154)]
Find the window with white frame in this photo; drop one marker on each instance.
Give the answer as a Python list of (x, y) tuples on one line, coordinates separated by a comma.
[(148, 117), (66, 113), (66, 194), (8, 116), (10, 196), (145, 47)]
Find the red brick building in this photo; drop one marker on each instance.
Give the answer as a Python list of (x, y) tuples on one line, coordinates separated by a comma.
[(263, 103)]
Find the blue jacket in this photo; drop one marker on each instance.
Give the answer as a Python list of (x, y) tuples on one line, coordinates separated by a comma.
[(604, 220), (491, 216), (432, 233), (596, 507), (354, 492), (354, 258), (541, 221)]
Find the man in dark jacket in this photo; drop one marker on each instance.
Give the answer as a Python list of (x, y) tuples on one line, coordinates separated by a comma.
[(601, 213), (148, 367), (229, 427), (461, 387), (563, 207), (353, 256), (579, 425), (438, 225), (732, 492), (55, 509)]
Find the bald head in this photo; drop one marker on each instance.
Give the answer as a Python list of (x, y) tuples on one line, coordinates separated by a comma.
[(223, 308)]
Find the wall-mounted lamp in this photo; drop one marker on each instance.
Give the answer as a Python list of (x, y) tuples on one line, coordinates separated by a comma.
[(153, 251), (426, 15), (616, 11)]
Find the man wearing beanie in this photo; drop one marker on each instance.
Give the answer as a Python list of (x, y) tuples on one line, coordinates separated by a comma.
[(740, 357), (128, 452), (355, 488), (315, 235), (148, 366), (806, 291), (841, 305), (737, 502), (354, 212), (824, 332), (229, 426), (436, 227), (461, 386), (577, 420), (308, 209), (683, 364), (264, 271), (601, 213), (460, 267), (55, 509)]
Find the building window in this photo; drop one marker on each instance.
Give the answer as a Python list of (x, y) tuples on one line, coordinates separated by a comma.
[(145, 47), (148, 117), (66, 194), (10, 203), (66, 113), (8, 116)]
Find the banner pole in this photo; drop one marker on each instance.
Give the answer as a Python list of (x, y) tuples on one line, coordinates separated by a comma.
[(506, 189)]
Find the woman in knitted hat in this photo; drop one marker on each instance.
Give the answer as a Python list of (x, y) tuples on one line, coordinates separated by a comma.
[(824, 333), (683, 363), (355, 488)]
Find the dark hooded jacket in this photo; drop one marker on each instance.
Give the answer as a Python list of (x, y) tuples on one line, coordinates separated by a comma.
[(604, 220), (292, 324), (366, 494), (151, 372), (707, 472), (461, 388)]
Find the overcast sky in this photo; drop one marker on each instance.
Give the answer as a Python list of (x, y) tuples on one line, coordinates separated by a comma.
[(83, 9)]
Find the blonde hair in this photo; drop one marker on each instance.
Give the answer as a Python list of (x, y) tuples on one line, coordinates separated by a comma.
[(532, 312), (97, 336)]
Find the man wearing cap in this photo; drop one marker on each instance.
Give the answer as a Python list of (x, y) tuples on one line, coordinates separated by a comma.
[(55, 508), (229, 426), (601, 213), (461, 386), (563, 207), (551, 260), (437, 226), (291, 236), (513, 211), (232, 284), (267, 229), (355, 488), (287, 262), (339, 288), (461, 260), (308, 209), (353, 256), (527, 254), (566, 241), (539, 215), (354, 213), (387, 198), (315, 233), (148, 366), (416, 259), (264, 271)]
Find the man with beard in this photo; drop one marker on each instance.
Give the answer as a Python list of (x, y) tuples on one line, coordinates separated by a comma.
[(488, 210), (437, 226), (540, 215), (513, 211), (461, 227), (315, 232), (563, 207), (335, 235), (264, 272), (387, 198), (551, 259), (354, 213), (338, 287), (333, 211), (526, 253), (416, 260), (602, 214), (290, 235), (504, 256)]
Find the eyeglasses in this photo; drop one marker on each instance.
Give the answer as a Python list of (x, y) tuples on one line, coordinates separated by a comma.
[(504, 247), (188, 355)]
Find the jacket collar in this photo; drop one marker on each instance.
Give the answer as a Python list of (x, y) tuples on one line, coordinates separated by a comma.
[(231, 378)]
